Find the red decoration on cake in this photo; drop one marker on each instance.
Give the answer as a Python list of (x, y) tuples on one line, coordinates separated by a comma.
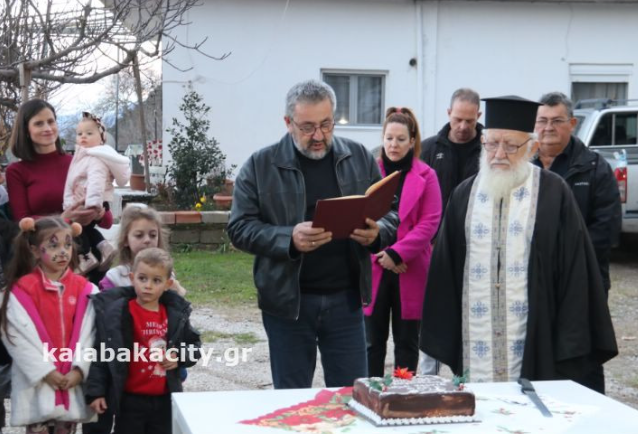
[(403, 373)]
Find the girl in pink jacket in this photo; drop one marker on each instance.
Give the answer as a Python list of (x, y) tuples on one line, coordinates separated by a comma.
[(47, 324), (400, 272), (89, 183)]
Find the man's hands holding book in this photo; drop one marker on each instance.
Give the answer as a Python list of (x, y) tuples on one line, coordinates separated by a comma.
[(365, 237), (306, 238)]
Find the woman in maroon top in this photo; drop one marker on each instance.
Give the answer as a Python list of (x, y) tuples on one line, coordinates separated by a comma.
[(36, 182)]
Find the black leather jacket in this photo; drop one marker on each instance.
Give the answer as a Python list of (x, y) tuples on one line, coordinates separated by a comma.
[(269, 199)]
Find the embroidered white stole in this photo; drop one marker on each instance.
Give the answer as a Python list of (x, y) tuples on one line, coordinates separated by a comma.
[(495, 304)]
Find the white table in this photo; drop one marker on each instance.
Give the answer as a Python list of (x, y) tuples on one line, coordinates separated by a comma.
[(220, 412)]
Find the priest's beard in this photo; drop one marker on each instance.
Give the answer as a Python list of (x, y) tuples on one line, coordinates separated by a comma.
[(498, 182)]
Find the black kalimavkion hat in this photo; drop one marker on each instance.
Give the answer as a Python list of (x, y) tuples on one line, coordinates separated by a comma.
[(510, 113)]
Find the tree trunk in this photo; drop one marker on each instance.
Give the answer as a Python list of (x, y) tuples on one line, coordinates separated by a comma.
[(140, 101)]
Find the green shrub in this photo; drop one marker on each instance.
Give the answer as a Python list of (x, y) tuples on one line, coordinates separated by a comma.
[(198, 167)]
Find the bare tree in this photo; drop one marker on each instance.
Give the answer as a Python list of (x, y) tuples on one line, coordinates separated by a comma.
[(45, 44), (119, 89)]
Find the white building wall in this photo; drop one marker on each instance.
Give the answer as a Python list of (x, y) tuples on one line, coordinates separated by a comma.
[(497, 48), (527, 49), (272, 49)]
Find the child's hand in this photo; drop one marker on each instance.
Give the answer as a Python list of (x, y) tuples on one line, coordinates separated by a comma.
[(99, 405), (55, 379), (170, 360), (72, 379)]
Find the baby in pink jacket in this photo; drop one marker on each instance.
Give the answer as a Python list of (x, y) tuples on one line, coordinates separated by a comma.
[(90, 182)]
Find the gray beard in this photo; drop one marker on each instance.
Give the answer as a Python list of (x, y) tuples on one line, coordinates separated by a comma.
[(312, 154), (499, 183)]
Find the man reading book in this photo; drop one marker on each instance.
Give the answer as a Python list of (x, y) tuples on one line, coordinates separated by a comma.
[(311, 287)]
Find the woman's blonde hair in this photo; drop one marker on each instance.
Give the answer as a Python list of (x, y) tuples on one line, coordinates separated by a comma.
[(131, 214)]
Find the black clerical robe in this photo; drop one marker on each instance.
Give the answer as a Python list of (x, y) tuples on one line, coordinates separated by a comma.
[(569, 327)]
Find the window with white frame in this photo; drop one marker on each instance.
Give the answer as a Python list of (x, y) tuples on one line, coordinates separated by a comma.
[(583, 91), (360, 96), (600, 81)]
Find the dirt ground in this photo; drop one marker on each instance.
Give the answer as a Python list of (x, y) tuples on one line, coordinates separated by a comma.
[(622, 371)]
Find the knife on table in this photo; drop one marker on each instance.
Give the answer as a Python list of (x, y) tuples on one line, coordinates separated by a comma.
[(528, 389)]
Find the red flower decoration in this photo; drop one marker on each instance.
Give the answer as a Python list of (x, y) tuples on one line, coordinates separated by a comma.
[(403, 373)]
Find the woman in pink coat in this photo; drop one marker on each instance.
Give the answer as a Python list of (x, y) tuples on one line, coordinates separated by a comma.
[(400, 272)]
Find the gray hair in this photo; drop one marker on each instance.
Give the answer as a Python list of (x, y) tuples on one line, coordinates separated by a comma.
[(310, 91), (466, 94), (553, 99)]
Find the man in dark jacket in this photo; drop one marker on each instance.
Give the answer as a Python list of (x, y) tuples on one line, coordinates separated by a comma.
[(310, 286), (454, 152), (588, 175)]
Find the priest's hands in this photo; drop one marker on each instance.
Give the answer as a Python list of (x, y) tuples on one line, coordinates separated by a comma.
[(306, 238), (365, 237)]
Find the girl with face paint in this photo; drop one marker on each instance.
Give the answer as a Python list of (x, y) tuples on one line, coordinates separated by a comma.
[(46, 323)]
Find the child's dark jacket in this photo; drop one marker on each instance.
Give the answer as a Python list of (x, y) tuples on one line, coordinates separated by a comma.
[(114, 328)]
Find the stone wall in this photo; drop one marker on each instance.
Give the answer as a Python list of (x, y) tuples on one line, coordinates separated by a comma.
[(202, 230)]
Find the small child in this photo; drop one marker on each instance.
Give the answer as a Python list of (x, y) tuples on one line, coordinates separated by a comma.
[(140, 228), (46, 310), (90, 182), (155, 320)]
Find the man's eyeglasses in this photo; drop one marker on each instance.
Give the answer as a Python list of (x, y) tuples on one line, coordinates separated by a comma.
[(558, 122), (509, 148), (309, 129)]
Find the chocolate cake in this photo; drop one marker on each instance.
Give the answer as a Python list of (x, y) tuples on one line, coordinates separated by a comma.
[(418, 397)]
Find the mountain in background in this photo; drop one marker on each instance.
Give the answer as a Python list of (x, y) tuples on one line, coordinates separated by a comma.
[(128, 130)]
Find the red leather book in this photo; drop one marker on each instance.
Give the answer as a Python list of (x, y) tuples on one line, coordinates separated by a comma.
[(342, 215)]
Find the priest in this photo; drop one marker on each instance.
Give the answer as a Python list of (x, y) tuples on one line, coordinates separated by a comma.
[(514, 289)]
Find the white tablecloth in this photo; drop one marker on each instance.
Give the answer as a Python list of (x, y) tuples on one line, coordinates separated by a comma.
[(500, 406)]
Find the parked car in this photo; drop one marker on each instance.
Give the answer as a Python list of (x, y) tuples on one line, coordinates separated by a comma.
[(610, 128)]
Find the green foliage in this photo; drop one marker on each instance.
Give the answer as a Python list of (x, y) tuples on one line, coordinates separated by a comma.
[(225, 246), (459, 380), (383, 384), (198, 165)]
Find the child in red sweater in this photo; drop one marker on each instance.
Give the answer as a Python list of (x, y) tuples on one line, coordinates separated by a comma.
[(147, 320)]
